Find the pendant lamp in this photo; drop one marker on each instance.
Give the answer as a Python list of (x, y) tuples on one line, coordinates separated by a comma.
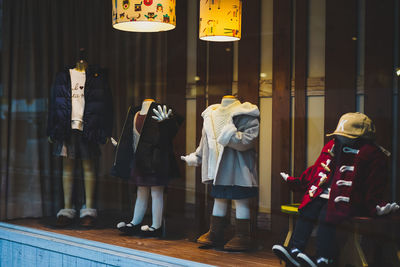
[(220, 20), (144, 15)]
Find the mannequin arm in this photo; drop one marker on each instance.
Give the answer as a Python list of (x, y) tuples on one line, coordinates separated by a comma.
[(375, 183), (161, 114), (312, 172), (168, 121), (388, 208), (240, 138), (113, 141), (195, 158), (301, 182)]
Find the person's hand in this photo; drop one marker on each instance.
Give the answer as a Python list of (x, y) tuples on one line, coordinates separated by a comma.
[(388, 208), (184, 158), (284, 176), (113, 141), (161, 113)]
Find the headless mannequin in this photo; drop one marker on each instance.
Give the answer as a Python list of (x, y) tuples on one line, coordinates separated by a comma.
[(227, 100), (157, 194), (88, 168), (220, 205)]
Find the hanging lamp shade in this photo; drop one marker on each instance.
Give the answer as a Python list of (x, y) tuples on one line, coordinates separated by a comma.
[(220, 20), (144, 15)]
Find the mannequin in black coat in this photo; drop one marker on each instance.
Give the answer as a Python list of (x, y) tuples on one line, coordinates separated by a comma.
[(145, 156)]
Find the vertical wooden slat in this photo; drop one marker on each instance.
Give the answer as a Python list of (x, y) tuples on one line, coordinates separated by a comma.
[(340, 60), (249, 66), (281, 83), (6, 76), (379, 38), (378, 69), (201, 73), (300, 82), (175, 96), (220, 70), (215, 73), (397, 183), (220, 77), (250, 52)]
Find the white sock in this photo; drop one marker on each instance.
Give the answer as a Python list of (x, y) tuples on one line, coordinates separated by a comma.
[(142, 199), (220, 207), (242, 208), (157, 202)]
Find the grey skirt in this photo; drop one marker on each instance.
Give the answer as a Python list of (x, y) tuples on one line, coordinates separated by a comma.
[(233, 191)]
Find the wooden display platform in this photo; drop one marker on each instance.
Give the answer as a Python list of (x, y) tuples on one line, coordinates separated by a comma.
[(174, 251)]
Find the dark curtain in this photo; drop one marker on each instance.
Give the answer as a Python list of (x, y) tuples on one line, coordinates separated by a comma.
[(40, 38)]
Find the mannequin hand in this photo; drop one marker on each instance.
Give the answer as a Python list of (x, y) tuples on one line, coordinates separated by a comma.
[(114, 143), (191, 160), (161, 113), (388, 208), (284, 176), (49, 139)]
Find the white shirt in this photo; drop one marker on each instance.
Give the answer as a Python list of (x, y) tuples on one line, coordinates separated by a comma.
[(78, 80)]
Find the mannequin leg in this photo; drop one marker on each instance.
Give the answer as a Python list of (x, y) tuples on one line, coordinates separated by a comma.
[(88, 215), (66, 215), (242, 239), (220, 207), (89, 173), (157, 198), (68, 181), (141, 204), (134, 227), (215, 236), (242, 208)]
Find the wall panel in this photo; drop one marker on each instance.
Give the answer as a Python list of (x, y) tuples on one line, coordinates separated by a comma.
[(175, 96), (300, 83), (379, 60), (340, 60), (281, 86), (249, 52)]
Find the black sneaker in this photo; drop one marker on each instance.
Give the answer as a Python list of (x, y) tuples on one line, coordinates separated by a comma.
[(286, 254), (312, 261)]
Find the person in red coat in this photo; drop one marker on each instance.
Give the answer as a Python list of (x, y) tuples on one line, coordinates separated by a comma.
[(348, 179)]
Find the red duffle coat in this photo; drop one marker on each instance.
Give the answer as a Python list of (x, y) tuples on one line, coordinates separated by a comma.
[(359, 180)]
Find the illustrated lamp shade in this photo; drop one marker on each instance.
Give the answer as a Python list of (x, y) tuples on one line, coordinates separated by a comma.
[(220, 20), (144, 15)]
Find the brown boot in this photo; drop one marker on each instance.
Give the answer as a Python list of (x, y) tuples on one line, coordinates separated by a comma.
[(65, 217), (214, 236), (241, 241)]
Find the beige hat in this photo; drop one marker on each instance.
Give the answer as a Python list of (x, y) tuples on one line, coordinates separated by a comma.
[(354, 125)]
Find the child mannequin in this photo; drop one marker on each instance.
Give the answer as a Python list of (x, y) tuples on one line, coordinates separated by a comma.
[(348, 179), (76, 134), (89, 213), (229, 132), (154, 125)]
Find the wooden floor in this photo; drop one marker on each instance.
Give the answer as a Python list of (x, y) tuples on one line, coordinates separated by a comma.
[(175, 247)]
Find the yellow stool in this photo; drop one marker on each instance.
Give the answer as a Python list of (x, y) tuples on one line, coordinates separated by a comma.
[(291, 209)]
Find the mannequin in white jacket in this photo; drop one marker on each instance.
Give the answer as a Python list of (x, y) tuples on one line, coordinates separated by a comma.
[(226, 153)]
